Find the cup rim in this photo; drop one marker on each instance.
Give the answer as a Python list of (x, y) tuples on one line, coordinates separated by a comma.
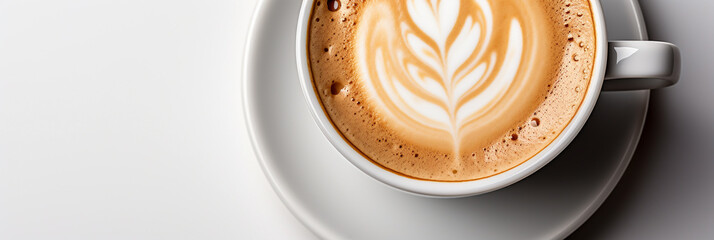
[(452, 189)]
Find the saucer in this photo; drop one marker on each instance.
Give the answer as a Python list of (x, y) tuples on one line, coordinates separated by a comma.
[(337, 201)]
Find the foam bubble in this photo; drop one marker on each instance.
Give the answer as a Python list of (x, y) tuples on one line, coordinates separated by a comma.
[(333, 5), (535, 122)]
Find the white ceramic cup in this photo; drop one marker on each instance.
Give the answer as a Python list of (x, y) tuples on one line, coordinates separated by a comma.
[(631, 65)]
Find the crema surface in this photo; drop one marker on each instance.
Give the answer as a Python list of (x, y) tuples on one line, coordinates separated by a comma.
[(451, 90)]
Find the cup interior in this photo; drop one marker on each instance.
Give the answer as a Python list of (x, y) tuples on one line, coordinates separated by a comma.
[(451, 189)]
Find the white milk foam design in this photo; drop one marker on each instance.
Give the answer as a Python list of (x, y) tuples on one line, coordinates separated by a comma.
[(432, 80)]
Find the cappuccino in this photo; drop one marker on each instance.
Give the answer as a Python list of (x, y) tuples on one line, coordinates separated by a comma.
[(450, 90)]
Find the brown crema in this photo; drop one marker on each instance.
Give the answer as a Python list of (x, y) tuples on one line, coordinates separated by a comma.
[(451, 90)]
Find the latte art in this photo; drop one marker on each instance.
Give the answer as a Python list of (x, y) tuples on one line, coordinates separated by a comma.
[(450, 90), (430, 74)]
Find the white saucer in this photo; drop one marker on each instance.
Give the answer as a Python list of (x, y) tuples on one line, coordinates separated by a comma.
[(337, 201)]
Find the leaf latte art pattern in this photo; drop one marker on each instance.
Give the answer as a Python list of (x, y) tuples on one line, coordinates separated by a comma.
[(451, 90), (439, 67)]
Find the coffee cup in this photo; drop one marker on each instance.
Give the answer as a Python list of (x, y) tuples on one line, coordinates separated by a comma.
[(612, 66)]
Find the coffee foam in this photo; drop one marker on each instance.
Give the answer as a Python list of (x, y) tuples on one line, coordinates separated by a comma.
[(451, 90)]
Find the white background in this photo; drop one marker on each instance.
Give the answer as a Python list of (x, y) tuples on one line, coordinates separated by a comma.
[(122, 120)]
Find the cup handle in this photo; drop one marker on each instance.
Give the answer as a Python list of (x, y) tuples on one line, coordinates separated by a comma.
[(639, 65)]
